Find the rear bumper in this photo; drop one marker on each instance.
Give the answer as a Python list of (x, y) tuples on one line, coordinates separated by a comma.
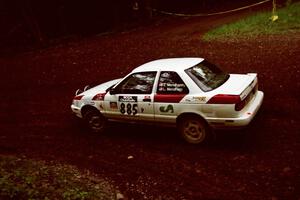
[(244, 119)]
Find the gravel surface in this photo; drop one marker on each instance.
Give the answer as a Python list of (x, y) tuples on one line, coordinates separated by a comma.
[(259, 162)]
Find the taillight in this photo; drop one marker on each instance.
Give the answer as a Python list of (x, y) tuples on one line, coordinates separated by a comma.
[(99, 97), (224, 99), (239, 106), (228, 99), (78, 97)]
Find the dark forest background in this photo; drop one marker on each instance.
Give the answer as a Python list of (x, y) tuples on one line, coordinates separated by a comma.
[(25, 22)]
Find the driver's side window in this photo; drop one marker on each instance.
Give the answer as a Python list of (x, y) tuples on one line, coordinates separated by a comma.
[(137, 83)]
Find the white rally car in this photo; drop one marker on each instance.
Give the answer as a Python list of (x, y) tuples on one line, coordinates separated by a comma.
[(190, 93)]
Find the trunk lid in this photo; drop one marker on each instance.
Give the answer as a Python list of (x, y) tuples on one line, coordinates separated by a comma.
[(238, 84)]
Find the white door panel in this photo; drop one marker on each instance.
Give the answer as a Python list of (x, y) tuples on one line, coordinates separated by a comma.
[(129, 106)]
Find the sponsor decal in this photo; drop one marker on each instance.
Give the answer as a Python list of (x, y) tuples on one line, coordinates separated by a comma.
[(166, 109), (196, 99), (128, 98), (113, 105), (171, 87), (202, 99), (147, 99)]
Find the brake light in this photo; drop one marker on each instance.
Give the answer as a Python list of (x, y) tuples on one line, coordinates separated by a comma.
[(224, 99), (228, 99), (239, 106), (99, 97), (78, 97)]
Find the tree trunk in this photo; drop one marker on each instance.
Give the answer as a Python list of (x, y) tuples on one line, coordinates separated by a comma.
[(31, 22)]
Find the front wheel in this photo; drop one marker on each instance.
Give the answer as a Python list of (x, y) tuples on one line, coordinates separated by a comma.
[(95, 121), (194, 130)]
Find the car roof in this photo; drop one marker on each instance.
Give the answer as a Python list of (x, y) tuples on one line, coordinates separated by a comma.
[(169, 64)]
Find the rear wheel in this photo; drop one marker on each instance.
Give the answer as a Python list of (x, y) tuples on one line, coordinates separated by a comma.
[(94, 120), (194, 130)]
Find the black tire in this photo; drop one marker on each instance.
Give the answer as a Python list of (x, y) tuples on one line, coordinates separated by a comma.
[(95, 121), (194, 130)]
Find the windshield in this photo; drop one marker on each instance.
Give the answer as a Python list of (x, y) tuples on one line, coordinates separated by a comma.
[(207, 75)]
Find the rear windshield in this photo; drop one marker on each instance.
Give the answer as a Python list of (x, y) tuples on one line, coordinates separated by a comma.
[(207, 75)]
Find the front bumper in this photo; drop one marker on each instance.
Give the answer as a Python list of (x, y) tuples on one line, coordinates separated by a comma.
[(76, 111), (242, 120)]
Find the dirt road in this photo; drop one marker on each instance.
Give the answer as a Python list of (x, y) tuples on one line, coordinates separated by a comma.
[(260, 162)]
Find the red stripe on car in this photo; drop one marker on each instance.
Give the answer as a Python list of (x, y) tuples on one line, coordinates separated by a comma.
[(168, 98)]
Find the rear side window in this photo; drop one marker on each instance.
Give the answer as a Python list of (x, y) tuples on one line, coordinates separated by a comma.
[(171, 83), (207, 76)]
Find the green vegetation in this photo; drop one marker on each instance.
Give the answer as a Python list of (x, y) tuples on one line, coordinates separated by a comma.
[(22, 178), (260, 24)]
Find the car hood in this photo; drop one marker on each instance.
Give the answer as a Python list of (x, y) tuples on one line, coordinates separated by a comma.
[(101, 88)]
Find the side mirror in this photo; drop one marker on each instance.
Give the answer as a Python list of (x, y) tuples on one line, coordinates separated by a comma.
[(113, 91)]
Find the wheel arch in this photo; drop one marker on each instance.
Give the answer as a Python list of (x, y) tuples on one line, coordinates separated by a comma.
[(87, 108), (190, 114)]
